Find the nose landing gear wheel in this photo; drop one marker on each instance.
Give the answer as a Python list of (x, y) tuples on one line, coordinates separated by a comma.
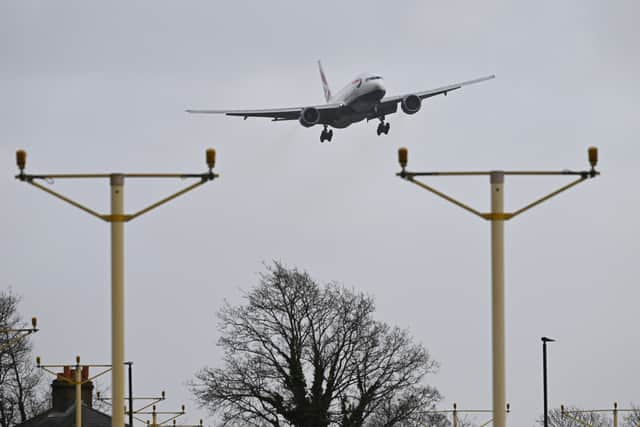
[(326, 135), (383, 128)]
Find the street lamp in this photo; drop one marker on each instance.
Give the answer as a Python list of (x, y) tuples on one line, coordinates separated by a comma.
[(117, 218), (497, 216), (129, 411), (545, 340)]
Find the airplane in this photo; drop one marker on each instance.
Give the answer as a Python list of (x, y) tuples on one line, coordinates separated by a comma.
[(363, 98)]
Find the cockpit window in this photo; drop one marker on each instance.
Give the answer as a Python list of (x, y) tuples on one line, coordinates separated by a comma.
[(373, 78)]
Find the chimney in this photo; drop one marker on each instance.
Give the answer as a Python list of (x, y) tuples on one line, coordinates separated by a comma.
[(63, 390)]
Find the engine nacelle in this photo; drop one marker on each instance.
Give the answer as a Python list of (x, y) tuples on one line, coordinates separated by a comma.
[(309, 116), (411, 104)]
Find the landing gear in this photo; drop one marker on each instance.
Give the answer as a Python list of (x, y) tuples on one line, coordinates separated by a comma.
[(326, 135), (383, 127)]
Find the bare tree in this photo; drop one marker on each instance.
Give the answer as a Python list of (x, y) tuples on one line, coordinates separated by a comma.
[(557, 419), (301, 354), (408, 409), (468, 421), (20, 398), (102, 396), (633, 418), (594, 419)]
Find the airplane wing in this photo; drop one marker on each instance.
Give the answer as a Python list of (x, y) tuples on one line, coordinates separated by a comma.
[(276, 114), (385, 102)]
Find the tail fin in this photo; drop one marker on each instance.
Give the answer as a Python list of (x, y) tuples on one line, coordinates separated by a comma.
[(325, 85)]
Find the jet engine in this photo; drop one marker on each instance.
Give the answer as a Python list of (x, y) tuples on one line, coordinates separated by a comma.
[(411, 104), (309, 116)]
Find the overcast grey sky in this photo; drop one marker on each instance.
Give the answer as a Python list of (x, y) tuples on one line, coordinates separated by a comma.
[(101, 87)]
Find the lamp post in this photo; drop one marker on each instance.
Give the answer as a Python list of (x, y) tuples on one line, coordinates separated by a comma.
[(117, 218), (545, 340), (130, 411), (497, 216)]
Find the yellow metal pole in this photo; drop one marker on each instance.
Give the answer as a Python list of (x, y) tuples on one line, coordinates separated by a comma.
[(78, 384), (566, 414), (117, 218), (615, 414), (497, 299), (455, 415), (117, 300), (497, 216)]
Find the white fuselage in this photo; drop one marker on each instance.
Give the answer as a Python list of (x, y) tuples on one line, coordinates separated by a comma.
[(364, 98), (360, 97)]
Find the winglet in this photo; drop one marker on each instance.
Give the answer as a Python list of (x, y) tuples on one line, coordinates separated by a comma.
[(325, 85)]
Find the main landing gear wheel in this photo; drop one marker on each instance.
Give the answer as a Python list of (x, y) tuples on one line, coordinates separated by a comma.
[(383, 128), (326, 135)]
